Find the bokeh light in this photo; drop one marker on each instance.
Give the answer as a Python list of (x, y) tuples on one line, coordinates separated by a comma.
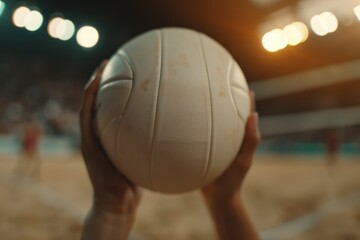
[(87, 36), (275, 40), (33, 20), (317, 26), (357, 12), (296, 32), (292, 34), (53, 25), (324, 23), (330, 21), (19, 16), (65, 29), (2, 7)]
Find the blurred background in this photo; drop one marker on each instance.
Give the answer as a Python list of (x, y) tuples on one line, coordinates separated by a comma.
[(301, 57)]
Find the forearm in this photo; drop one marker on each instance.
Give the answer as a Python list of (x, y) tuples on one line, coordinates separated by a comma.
[(102, 224), (231, 219)]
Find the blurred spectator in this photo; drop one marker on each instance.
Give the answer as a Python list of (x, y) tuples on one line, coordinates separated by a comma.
[(29, 161), (51, 95), (332, 145)]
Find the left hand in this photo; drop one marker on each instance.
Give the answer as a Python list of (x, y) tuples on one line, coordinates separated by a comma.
[(113, 192)]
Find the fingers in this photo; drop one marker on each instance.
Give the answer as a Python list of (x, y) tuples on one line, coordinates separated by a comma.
[(252, 101), (252, 132), (250, 143), (96, 76), (88, 102)]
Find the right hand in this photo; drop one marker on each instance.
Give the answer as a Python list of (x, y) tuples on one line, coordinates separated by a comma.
[(229, 184)]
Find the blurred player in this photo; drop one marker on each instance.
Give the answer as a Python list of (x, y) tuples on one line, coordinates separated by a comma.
[(332, 146), (29, 161)]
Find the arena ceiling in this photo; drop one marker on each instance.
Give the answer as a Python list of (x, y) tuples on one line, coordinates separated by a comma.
[(234, 23)]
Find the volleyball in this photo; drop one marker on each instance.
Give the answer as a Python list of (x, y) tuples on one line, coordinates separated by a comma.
[(171, 109)]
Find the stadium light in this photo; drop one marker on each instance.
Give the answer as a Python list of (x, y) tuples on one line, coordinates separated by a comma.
[(65, 29), (318, 26), (330, 20), (324, 23), (87, 36), (297, 32), (2, 7), (292, 34), (33, 20), (357, 12), (275, 40), (19, 16), (54, 22)]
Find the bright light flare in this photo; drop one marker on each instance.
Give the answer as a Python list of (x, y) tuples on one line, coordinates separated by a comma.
[(324, 23), (2, 7), (60, 28), (54, 22), (33, 20), (357, 12), (275, 40), (292, 34), (296, 32), (317, 26), (87, 36), (19, 16), (65, 29), (330, 21)]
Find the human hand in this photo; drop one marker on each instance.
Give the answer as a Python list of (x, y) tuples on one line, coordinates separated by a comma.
[(229, 184), (223, 196), (113, 192)]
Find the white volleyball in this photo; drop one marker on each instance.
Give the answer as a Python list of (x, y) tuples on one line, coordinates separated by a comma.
[(171, 110)]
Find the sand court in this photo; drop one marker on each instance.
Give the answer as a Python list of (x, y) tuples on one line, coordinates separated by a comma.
[(279, 190)]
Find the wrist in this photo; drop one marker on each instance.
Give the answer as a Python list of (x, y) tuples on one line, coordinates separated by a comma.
[(211, 195), (111, 215), (104, 222), (222, 201), (114, 206)]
